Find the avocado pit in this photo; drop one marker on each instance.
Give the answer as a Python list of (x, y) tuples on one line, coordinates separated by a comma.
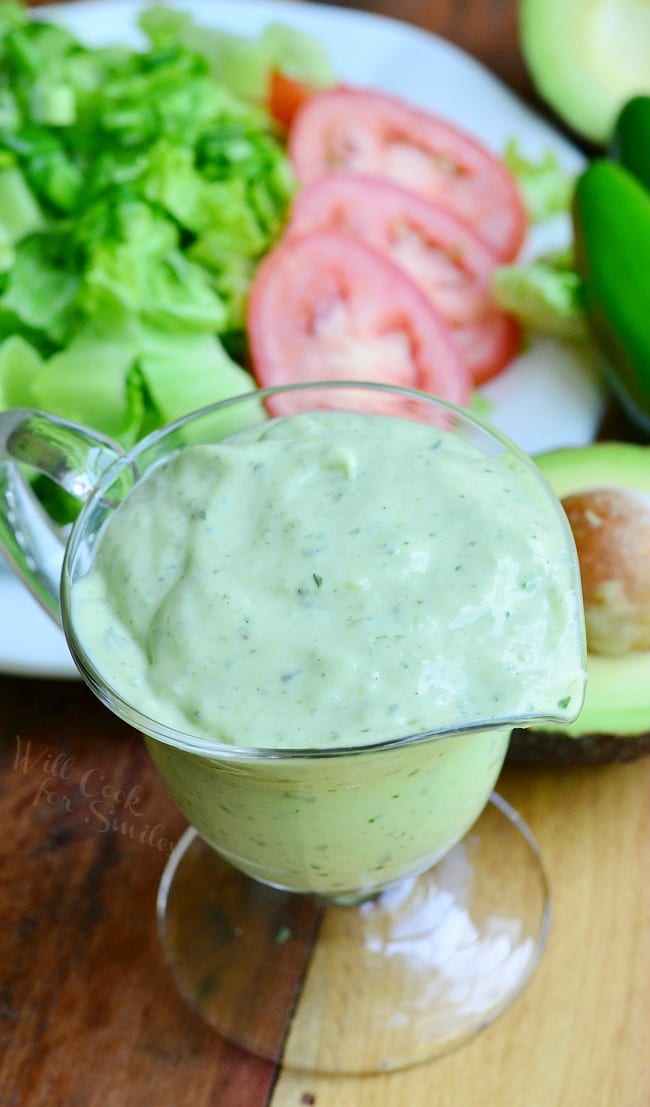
[(611, 528)]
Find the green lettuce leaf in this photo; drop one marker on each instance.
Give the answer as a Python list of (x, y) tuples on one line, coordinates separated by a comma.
[(19, 365), (184, 376), (40, 290), (240, 63), (139, 189), (544, 294), (20, 212), (545, 186), (87, 383)]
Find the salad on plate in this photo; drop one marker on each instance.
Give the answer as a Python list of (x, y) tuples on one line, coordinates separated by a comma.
[(210, 210)]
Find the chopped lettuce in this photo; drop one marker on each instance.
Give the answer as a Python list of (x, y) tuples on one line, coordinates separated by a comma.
[(137, 195), (40, 291), (545, 186), (189, 374), (87, 382), (242, 64), (20, 213), (544, 295), (19, 364)]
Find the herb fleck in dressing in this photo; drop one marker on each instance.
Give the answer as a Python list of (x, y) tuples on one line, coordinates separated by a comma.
[(326, 581)]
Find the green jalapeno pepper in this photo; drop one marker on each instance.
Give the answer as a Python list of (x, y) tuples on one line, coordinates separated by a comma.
[(611, 214), (630, 144)]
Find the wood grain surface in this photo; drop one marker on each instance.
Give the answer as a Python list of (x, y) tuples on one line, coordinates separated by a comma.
[(89, 1016)]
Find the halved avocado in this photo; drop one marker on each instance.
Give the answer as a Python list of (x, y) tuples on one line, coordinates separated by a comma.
[(587, 57), (614, 723)]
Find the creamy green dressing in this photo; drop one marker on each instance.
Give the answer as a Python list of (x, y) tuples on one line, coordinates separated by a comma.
[(333, 580), (328, 581)]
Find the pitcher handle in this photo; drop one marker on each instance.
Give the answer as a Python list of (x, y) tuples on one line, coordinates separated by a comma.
[(71, 455)]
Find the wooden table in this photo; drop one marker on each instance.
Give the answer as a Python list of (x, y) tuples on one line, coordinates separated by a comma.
[(88, 1014)]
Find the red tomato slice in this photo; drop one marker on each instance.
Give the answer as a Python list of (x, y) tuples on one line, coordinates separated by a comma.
[(439, 252), (324, 306), (286, 96), (368, 132)]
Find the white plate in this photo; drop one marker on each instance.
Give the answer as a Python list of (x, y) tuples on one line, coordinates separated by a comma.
[(547, 399)]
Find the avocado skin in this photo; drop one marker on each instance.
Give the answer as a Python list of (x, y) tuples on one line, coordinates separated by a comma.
[(614, 724), (544, 747)]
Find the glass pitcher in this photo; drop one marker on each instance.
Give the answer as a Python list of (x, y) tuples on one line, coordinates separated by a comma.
[(354, 827)]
